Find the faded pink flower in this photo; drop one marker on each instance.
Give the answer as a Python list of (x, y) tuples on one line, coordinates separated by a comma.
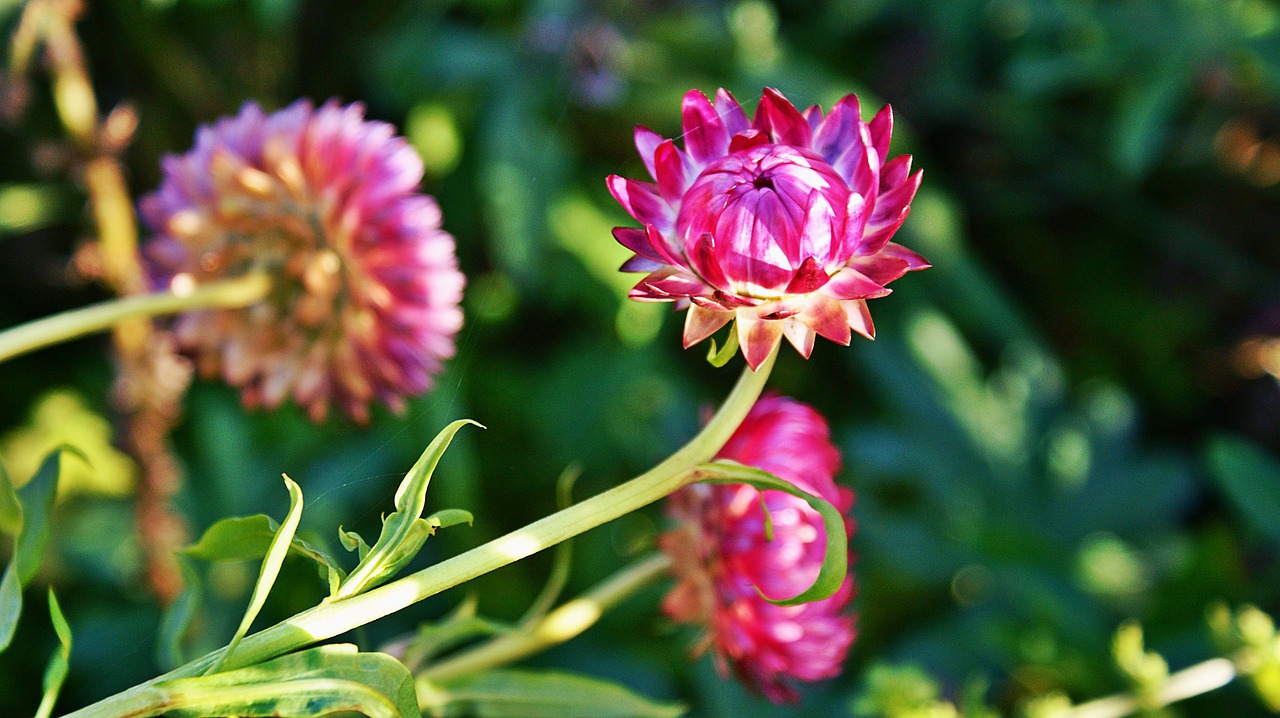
[(782, 223), (365, 305), (719, 555)]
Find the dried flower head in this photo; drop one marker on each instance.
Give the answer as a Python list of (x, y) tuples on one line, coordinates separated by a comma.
[(366, 293), (720, 555), (782, 223)]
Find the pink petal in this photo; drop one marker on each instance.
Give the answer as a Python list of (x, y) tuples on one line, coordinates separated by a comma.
[(860, 165), (782, 120), (895, 171), (851, 284), (641, 264), (881, 268), (860, 318), (647, 142), (827, 317), (705, 135), (800, 336), (670, 172), (641, 200), (818, 234), (747, 139), (730, 112), (658, 241), (812, 115), (700, 323), (809, 277), (881, 128), (757, 337), (839, 130), (913, 260), (636, 240), (854, 228), (705, 261), (669, 283)]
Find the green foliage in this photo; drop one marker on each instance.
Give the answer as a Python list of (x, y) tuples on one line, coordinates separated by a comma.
[(1250, 480), (56, 672), (538, 694), (313, 682), (248, 538), (35, 499)]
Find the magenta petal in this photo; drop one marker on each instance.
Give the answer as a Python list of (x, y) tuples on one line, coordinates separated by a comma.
[(839, 130), (670, 172), (705, 261), (854, 228), (881, 268), (747, 139), (817, 235), (809, 277), (782, 120), (859, 317), (859, 164), (851, 284), (913, 260), (700, 323), (647, 142), (640, 264), (757, 337), (895, 172), (730, 112), (812, 115), (705, 136), (881, 128), (636, 240), (641, 200), (827, 317), (667, 283), (659, 243)]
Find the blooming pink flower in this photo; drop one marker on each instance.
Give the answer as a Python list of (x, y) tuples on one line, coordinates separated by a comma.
[(720, 555), (782, 223), (365, 304)]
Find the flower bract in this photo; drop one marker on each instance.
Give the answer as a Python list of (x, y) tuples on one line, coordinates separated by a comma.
[(365, 303), (723, 557), (782, 222)]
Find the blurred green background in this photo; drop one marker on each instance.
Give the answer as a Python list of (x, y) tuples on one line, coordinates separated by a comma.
[(1071, 420)]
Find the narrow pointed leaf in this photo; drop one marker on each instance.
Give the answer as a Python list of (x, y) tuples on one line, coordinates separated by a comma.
[(276, 552), (539, 694), (10, 509), (56, 672), (561, 559), (404, 531), (836, 562), (719, 357), (353, 541)]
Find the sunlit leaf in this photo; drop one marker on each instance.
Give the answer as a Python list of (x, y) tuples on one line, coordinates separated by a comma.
[(835, 563), (718, 357), (314, 682), (538, 694), (276, 552), (10, 509), (56, 672), (404, 531)]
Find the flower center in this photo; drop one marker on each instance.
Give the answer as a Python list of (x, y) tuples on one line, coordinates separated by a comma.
[(766, 210)]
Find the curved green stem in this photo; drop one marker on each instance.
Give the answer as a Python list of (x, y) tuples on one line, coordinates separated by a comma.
[(558, 626), (335, 617), (226, 294), (1186, 683)]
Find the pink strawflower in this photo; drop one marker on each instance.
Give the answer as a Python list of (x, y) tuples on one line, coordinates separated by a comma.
[(365, 304), (782, 223), (720, 554)]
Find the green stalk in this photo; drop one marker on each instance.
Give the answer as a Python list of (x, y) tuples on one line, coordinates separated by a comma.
[(225, 294), (555, 628), (333, 618)]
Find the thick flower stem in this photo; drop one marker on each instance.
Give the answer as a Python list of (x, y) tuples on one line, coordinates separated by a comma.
[(558, 626), (330, 619), (228, 294)]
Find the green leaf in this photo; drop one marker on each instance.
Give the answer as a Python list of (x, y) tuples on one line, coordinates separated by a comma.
[(719, 357), (404, 531), (246, 538), (561, 560), (536, 694), (177, 618), (460, 626), (36, 501), (313, 682), (1250, 480), (276, 552), (10, 509), (836, 562), (56, 672), (353, 541)]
